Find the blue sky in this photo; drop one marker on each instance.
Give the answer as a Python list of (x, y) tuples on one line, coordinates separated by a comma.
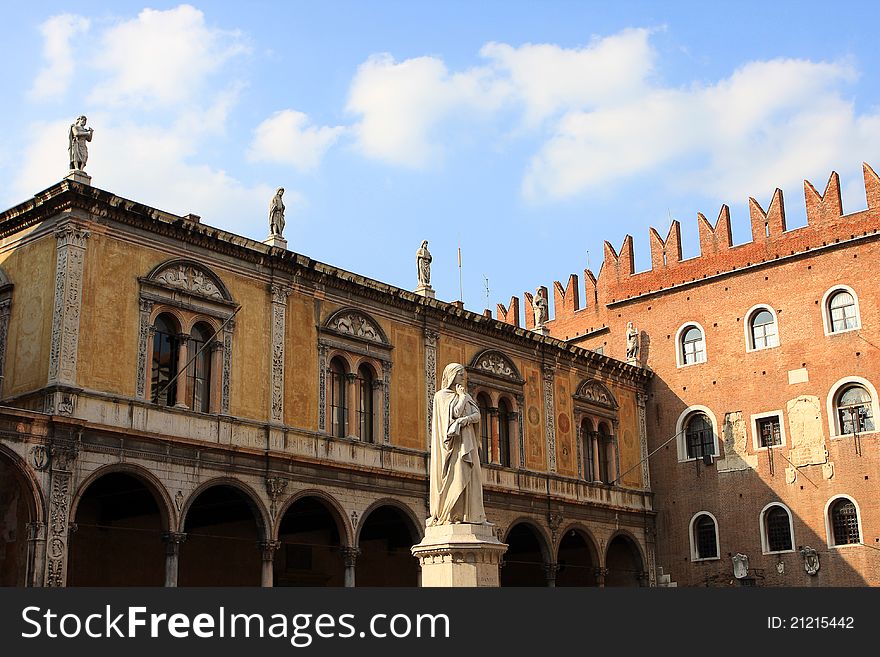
[(525, 132)]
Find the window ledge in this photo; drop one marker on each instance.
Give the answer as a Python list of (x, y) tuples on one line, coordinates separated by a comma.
[(697, 560), (850, 435), (831, 334), (846, 545), (778, 551)]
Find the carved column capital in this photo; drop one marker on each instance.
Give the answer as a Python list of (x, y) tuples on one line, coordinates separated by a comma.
[(146, 305), (351, 377), (550, 570), (173, 541), (431, 334), (350, 555), (268, 549), (279, 293), (71, 235)]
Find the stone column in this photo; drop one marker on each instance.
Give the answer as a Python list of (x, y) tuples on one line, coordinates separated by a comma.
[(268, 549), (276, 348), (549, 421), (594, 438), (351, 411), (430, 380), (494, 455), (173, 541), (349, 558), (36, 554), (226, 376), (643, 441), (520, 430), (601, 574), (145, 348), (64, 453), (615, 453), (69, 264), (550, 571), (386, 402), (216, 381), (4, 332), (181, 383), (322, 388), (380, 416)]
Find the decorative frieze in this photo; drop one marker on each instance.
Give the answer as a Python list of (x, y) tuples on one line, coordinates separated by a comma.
[(275, 486), (5, 305), (189, 278), (226, 375), (279, 322), (386, 401), (549, 424), (520, 404), (643, 440), (63, 457), (322, 388), (144, 335), (70, 259), (430, 380)]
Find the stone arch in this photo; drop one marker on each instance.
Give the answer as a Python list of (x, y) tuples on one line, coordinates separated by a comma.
[(543, 536), (528, 555), (190, 276), (495, 363), (353, 322), (416, 524), (36, 499), (385, 536), (576, 566), (337, 512), (618, 573), (588, 535), (160, 493), (21, 503), (261, 515)]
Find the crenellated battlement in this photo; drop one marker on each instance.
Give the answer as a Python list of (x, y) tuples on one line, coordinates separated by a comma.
[(618, 281)]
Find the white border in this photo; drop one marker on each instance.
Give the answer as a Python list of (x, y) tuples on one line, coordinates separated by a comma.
[(747, 327), (756, 437), (829, 532), (679, 347), (833, 424), (762, 523), (681, 438), (694, 556), (826, 310)]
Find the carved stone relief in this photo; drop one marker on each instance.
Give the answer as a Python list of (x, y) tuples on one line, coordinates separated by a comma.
[(805, 431), (4, 332), (496, 363), (355, 324), (735, 439), (643, 440), (595, 392), (322, 387), (279, 319), (227, 368), (62, 460), (549, 427), (430, 380), (71, 243), (146, 308), (190, 279)]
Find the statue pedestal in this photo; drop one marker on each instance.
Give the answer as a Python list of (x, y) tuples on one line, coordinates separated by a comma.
[(541, 330), (78, 175), (460, 555), (425, 291), (276, 240)]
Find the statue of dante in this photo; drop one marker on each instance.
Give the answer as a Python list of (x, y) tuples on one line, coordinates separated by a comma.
[(423, 263), (77, 137), (276, 213), (632, 341), (539, 305), (456, 479)]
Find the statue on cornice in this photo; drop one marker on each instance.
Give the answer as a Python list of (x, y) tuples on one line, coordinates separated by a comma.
[(632, 342), (77, 136), (539, 305), (276, 214), (423, 264)]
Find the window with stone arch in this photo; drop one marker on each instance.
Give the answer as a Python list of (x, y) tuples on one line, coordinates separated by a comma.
[(704, 537), (354, 385), (697, 434), (840, 310), (185, 338), (495, 384), (852, 407), (690, 342), (596, 415), (762, 328), (777, 531), (843, 523)]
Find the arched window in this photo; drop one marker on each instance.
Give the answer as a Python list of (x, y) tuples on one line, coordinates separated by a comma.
[(163, 390), (777, 529), (844, 520), (854, 409), (699, 436), (485, 417), (762, 329), (704, 537), (587, 450), (692, 345), (842, 312), (199, 371), (364, 390), (338, 407), (504, 433)]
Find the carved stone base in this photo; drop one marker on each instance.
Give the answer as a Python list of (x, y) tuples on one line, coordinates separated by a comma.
[(77, 175), (276, 240), (426, 291), (633, 361), (460, 555), (541, 330)]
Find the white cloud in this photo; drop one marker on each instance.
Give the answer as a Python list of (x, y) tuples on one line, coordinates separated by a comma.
[(547, 78), (287, 138), (402, 105), (58, 33), (161, 58), (776, 121)]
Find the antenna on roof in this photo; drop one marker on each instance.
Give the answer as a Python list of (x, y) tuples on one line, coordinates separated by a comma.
[(486, 279), (460, 288)]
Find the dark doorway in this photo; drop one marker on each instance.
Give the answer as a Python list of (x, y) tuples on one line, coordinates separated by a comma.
[(310, 547), (577, 561), (118, 537), (15, 514), (385, 558), (523, 563), (624, 563), (223, 535)]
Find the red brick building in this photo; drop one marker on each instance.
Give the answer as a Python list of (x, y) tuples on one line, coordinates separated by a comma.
[(763, 407)]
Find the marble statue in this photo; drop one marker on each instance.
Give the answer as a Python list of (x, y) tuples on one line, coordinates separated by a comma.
[(423, 263), (539, 305), (632, 342), (77, 137), (456, 480), (276, 213)]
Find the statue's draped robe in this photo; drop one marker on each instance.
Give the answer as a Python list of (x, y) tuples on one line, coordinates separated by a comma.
[(456, 478), (77, 148)]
